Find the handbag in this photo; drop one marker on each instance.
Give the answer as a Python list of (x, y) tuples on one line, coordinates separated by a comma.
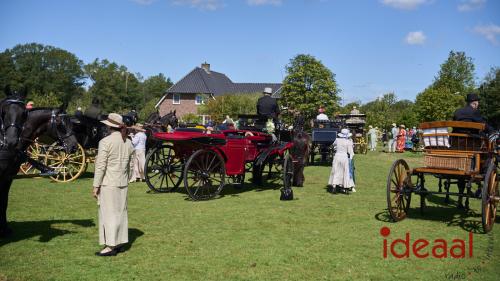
[(286, 194)]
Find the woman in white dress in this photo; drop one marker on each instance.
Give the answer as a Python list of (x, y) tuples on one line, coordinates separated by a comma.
[(340, 176)]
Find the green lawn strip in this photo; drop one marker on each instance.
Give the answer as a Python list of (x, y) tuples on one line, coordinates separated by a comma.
[(247, 234)]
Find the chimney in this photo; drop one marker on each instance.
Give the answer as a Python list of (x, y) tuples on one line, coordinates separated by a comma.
[(206, 67)]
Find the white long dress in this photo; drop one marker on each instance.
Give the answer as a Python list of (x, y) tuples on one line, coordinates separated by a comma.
[(340, 174)]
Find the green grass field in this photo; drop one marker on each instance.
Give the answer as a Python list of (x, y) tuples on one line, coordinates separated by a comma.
[(247, 234)]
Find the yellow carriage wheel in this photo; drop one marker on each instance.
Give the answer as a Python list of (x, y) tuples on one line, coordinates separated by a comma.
[(69, 166), (35, 152)]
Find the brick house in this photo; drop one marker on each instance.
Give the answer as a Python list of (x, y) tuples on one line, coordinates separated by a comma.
[(200, 84)]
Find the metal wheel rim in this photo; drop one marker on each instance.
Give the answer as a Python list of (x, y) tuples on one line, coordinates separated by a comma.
[(163, 169), (204, 175)]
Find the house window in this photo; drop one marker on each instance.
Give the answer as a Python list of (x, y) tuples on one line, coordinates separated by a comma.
[(176, 99), (199, 100)]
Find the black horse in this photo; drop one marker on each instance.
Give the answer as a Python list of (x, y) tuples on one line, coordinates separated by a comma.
[(156, 124), (50, 121)]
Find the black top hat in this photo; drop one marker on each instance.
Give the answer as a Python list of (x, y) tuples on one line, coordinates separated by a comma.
[(472, 97)]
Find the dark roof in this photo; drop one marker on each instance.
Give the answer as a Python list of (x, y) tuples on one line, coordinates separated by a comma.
[(199, 81)]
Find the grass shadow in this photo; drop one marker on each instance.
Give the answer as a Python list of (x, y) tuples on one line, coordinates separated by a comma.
[(133, 234), (44, 229)]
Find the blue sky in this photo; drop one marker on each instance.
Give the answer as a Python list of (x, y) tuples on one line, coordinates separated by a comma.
[(373, 46)]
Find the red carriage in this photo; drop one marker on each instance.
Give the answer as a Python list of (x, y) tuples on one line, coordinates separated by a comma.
[(206, 162)]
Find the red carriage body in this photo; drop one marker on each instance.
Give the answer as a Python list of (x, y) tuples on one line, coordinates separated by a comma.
[(194, 155)]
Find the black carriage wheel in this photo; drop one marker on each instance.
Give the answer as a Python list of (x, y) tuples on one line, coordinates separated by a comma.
[(204, 175), (399, 190), (163, 170), (287, 172), (490, 198)]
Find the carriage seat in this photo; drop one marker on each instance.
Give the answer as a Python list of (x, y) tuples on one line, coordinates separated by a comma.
[(450, 152)]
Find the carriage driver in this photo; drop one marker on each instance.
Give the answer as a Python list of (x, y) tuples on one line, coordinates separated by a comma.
[(267, 107), (470, 112)]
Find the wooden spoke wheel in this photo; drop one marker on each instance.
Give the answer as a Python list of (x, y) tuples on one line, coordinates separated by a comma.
[(35, 151), (163, 169), (68, 166), (287, 172), (399, 190), (490, 197), (204, 175)]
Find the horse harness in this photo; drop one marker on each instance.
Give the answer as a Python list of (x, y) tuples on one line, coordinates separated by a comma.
[(53, 126), (4, 127)]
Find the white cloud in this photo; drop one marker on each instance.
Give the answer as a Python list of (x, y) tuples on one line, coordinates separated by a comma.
[(404, 4), (490, 32), (207, 5), (470, 5), (415, 38), (144, 2), (264, 2)]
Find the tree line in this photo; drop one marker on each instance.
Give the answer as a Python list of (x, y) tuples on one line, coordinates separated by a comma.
[(52, 75), (309, 84)]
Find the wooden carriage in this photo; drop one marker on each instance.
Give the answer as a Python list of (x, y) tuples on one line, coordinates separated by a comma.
[(456, 152)]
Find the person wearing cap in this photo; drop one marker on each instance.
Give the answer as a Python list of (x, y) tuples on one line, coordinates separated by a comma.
[(78, 112), (470, 112), (267, 107), (139, 142), (29, 105), (113, 171), (394, 138), (322, 116), (341, 174), (401, 139)]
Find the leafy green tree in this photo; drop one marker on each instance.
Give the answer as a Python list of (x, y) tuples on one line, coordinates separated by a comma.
[(114, 86), (435, 104), (346, 109), (489, 93), (155, 86), (50, 74), (231, 105), (456, 74), (309, 85), (379, 113)]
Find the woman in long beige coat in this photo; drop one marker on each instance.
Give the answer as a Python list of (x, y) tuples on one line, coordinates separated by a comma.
[(113, 171)]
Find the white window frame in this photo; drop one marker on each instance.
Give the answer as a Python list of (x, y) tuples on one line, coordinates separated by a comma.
[(173, 98), (196, 99)]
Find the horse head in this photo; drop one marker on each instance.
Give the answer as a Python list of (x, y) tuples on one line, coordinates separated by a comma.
[(51, 121), (13, 114), (170, 119)]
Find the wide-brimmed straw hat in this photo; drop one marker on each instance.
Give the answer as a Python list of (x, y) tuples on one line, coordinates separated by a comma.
[(114, 120), (394, 124), (344, 133)]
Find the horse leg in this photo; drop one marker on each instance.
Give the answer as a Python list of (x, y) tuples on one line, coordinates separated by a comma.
[(298, 175), (5, 184)]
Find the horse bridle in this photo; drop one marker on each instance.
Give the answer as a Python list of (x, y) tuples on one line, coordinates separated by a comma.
[(53, 126), (3, 127)]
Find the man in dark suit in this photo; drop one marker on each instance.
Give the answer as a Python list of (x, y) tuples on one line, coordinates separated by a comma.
[(470, 112), (267, 107)]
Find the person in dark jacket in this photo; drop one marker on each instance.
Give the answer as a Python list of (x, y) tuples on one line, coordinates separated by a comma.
[(267, 107), (470, 112)]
